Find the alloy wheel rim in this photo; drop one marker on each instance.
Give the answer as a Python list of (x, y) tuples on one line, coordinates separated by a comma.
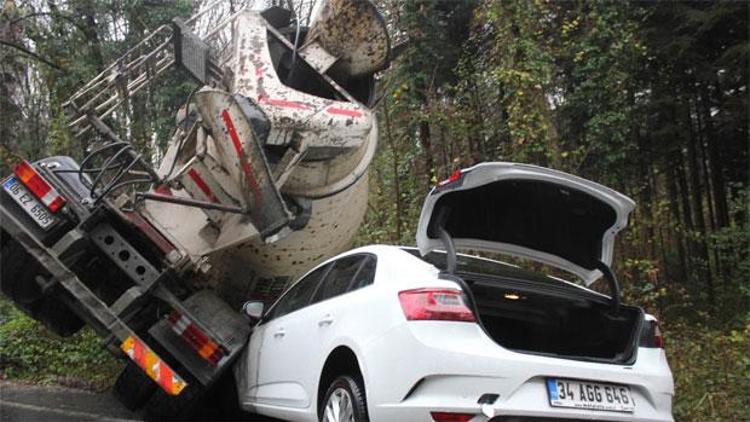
[(339, 407)]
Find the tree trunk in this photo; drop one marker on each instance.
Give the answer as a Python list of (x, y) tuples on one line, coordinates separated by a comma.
[(395, 166), (686, 213), (425, 142), (697, 206), (674, 208), (719, 264), (646, 195), (714, 153), (85, 10)]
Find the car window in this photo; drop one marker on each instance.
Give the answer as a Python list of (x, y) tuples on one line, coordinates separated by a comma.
[(366, 274), (339, 278), (299, 295)]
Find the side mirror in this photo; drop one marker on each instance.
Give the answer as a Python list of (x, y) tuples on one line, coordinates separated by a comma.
[(253, 310)]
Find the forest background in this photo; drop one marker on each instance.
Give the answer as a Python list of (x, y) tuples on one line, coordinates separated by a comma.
[(649, 98)]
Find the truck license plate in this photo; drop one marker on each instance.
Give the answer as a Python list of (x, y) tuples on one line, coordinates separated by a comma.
[(589, 395), (38, 212)]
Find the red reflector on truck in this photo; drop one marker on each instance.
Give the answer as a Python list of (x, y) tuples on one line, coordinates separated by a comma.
[(38, 186), (435, 304), (153, 366), (197, 339)]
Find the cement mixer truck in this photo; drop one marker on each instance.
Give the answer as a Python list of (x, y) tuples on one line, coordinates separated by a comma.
[(265, 176)]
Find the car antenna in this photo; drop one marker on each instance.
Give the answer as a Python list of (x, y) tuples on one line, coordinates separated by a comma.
[(614, 286)]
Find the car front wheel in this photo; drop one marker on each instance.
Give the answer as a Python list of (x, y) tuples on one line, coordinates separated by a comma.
[(345, 401)]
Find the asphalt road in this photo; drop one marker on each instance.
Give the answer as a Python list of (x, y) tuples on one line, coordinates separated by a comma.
[(23, 403), (20, 402)]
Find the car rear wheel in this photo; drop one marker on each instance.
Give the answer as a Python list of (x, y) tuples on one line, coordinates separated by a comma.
[(344, 401)]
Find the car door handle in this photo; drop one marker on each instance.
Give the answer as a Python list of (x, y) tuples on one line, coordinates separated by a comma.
[(280, 333), (327, 320)]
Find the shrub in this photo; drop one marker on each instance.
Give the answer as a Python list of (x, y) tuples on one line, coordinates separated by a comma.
[(30, 352), (711, 369)]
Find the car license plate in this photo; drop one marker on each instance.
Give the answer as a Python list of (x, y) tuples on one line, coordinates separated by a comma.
[(589, 395), (38, 212)]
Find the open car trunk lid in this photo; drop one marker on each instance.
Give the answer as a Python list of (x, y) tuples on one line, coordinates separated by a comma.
[(532, 212)]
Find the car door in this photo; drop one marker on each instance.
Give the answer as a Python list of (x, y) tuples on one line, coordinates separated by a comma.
[(337, 282), (333, 310), (277, 341), (347, 274), (295, 343)]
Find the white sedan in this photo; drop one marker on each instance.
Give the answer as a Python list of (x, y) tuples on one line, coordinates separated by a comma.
[(386, 333)]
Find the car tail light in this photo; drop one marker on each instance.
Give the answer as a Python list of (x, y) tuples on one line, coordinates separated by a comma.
[(435, 304), (658, 336), (38, 186), (451, 416), (454, 177), (652, 336), (196, 338)]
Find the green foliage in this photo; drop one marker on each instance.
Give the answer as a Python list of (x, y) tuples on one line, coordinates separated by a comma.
[(520, 60), (29, 352), (711, 367), (648, 98), (70, 42)]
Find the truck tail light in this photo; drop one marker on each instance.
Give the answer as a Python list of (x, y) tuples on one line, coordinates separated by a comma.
[(451, 417), (38, 186), (196, 338), (435, 304), (153, 366)]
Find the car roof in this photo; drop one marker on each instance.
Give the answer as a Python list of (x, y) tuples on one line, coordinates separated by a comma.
[(499, 268)]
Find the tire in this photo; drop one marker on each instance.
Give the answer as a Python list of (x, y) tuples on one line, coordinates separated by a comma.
[(18, 273), (133, 388), (344, 401), (184, 407)]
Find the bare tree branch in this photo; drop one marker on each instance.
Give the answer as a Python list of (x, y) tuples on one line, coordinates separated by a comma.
[(33, 55)]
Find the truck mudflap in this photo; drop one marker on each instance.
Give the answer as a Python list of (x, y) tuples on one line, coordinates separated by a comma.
[(153, 366), (213, 332)]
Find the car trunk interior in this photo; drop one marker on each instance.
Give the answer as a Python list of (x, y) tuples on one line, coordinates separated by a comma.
[(550, 319)]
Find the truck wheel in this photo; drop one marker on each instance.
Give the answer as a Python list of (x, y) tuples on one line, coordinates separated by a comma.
[(344, 401), (133, 388), (163, 407), (18, 272)]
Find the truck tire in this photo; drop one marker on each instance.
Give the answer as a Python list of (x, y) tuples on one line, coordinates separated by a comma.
[(18, 273), (163, 407), (133, 388)]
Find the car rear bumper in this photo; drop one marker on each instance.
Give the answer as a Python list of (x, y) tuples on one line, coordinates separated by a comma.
[(446, 366)]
